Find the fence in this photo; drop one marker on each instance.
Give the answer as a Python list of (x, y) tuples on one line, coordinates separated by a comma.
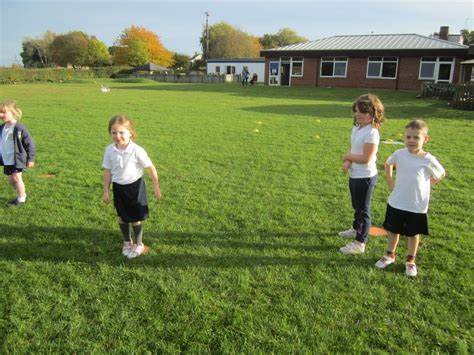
[(178, 78), (461, 96)]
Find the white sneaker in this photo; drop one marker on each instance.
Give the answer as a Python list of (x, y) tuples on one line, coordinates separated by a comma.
[(384, 262), (350, 233), (410, 269), (353, 248), (127, 248), (137, 250)]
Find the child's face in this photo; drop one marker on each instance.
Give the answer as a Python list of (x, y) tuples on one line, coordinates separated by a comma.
[(120, 135), (414, 140), (363, 119), (7, 116)]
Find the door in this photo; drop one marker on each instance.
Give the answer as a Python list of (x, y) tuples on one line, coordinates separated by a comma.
[(285, 74)]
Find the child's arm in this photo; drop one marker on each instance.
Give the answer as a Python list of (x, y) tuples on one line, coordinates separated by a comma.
[(389, 176), (368, 153), (437, 181), (154, 177), (107, 180), (346, 165)]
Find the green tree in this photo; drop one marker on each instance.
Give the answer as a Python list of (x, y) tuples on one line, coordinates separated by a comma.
[(181, 62), (225, 41), (97, 53), (71, 49), (283, 37), (468, 36), (37, 52)]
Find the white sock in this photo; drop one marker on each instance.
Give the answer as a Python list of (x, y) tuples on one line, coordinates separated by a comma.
[(21, 199)]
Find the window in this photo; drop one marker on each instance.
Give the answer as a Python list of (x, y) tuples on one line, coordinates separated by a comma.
[(439, 69), (382, 67), (274, 75), (230, 69), (297, 66), (334, 67), (218, 69)]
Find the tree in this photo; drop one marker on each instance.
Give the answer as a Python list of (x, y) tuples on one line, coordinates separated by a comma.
[(97, 53), (181, 62), (37, 52), (468, 36), (225, 41), (283, 37), (137, 46), (71, 49)]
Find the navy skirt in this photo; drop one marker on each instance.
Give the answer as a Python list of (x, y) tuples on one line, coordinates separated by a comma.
[(131, 201)]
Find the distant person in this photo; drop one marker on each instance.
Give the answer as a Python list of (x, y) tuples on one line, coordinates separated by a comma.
[(245, 76), (416, 172), (17, 149), (254, 79), (124, 163), (360, 162)]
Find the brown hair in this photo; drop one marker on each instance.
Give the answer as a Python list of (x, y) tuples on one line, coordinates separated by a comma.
[(418, 124), (10, 105), (372, 105), (123, 120)]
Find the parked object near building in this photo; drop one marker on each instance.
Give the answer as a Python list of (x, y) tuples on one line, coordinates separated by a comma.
[(388, 61)]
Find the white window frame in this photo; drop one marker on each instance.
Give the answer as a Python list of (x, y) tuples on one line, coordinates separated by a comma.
[(335, 61), (437, 64), (297, 60), (381, 62)]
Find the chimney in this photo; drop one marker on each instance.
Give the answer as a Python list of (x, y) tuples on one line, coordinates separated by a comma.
[(444, 32)]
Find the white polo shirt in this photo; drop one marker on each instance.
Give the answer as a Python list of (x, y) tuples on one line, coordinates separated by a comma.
[(7, 146), (359, 137), (126, 165), (413, 180)]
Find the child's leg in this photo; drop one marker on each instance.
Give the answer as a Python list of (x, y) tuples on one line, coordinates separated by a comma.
[(413, 243), (125, 229), (393, 239), (16, 181), (138, 232)]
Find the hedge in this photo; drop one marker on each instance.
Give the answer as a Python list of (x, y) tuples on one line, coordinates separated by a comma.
[(21, 75)]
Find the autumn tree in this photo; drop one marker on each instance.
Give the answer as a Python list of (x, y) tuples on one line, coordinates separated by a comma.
[(283, 37), (181, 62), (37, 52), (137, 46), (226, 41)]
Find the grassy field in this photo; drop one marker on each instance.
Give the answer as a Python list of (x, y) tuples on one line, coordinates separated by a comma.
[(244, 248)]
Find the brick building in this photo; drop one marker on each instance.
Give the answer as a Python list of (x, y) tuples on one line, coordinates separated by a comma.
[(391, 61)]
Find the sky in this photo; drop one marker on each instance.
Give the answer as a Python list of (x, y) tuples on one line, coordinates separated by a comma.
[(179, 23)]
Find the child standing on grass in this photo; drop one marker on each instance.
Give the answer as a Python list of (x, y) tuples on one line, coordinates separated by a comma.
[(17, 149), (360, 161), (124, 163), (407, 206)]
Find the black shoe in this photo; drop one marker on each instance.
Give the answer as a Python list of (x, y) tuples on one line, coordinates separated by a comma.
[(14, 202)]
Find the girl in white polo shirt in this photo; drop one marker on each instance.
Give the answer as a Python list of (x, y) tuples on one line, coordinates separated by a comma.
[(124, 163), (360, 161)]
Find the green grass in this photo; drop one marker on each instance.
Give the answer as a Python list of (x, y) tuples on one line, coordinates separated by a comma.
[(244, 253)]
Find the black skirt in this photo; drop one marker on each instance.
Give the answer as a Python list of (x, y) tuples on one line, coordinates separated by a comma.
[(131, 201)]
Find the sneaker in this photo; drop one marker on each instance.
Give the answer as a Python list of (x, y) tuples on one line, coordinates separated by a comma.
[(14, 202), (410, 269), (353, 248), (350, 233), (384, 262), (137, 250), (127, 248)]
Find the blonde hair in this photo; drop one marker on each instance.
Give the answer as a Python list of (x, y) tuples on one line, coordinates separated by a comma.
[(372, 105), (418, 124), (10, 105), (123, 120)]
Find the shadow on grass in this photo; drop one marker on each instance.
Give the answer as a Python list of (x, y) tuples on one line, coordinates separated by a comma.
[(172, 249)]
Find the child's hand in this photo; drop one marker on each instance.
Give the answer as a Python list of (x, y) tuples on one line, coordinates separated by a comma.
[(106, 197), (158, 194), (391, 184), (346, 165), (30, 164)]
